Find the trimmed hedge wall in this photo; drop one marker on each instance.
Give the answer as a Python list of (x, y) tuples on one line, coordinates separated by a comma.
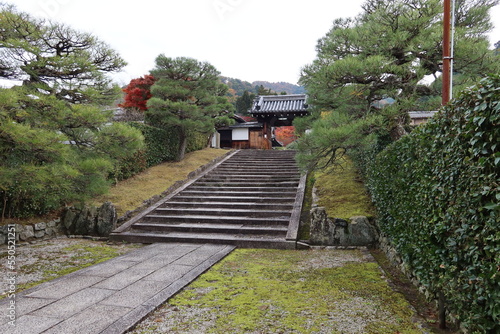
[(162, 144), (437, 192)]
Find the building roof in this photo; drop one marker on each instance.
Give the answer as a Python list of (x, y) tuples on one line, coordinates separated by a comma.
[(243, 125), (272, 104)]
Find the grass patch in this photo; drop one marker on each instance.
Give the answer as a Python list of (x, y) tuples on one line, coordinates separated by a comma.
[(341, 191), (275, 291), (129, 194)]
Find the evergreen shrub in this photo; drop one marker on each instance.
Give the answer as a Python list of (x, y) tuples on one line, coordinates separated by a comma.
[(162, 144), (437, 193)]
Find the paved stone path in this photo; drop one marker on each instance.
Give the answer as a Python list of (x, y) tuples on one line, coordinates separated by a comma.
[(112, 296)]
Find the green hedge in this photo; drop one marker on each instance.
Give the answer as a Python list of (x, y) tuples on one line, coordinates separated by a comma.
[(437, 193), (196, 141), (128, 167), (162, 144)]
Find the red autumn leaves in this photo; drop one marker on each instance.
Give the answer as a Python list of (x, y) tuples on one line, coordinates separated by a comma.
[(138, 92)]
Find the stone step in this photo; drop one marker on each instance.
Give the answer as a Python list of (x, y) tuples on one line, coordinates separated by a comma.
[(249, 200), (233, 199), (216, 212), (229, 205), (237, 193), (249, 180), (252, 174), (213, 238), (262, 189), (252, 177), (212, 228), (259, 166), (249, 221), (247, 184), (255, 172)]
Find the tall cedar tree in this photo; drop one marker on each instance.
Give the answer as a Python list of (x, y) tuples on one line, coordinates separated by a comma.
[(188, 94), (138, 92), (244, 103)]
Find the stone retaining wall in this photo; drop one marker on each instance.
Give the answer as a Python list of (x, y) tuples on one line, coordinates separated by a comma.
[(329, 231), (37, 231)]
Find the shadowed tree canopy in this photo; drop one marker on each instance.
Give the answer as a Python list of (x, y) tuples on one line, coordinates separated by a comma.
[(189, 95)]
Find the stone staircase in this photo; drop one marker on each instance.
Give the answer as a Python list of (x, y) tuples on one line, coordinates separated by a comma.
[(251, 199)]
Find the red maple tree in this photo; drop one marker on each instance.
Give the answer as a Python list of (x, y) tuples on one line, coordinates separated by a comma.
[(138, 92), (285, 134)]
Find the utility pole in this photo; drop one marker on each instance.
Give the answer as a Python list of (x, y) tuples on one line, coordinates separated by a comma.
[(447, 57)]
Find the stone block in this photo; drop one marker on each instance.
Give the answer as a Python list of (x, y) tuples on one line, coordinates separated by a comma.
[(68, 220), (26, 233), (39, 234), (40, 226), (50, 232), (94, 319), (28, 324), (134, 294), (321, 227), (328, 231), (65, 287), (74, 303), (123, 279), (106, 219), (361, 232), (19, 228), (85, 223)]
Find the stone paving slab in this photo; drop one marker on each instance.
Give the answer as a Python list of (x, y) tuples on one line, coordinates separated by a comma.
[(110, 297)]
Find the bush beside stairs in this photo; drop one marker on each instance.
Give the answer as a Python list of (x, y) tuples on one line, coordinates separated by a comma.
[(251, 199)]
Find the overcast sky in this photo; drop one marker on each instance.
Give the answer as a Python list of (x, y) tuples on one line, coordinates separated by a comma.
[(246, 39)]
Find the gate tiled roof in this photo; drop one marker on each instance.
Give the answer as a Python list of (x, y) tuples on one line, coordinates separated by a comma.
[(277, 104)]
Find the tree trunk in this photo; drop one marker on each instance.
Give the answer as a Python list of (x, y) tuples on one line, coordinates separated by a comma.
[(182, 146), (209, 141)]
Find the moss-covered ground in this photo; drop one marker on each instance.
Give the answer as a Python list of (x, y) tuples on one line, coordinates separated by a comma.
[(274, 291), (341, 191)]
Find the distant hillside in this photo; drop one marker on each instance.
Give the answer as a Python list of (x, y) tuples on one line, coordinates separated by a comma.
[(279, 87), (237, 87)]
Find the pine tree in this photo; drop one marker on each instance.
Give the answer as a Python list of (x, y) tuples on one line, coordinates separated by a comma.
[(187, 94), (244, 103), (56, 140)]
